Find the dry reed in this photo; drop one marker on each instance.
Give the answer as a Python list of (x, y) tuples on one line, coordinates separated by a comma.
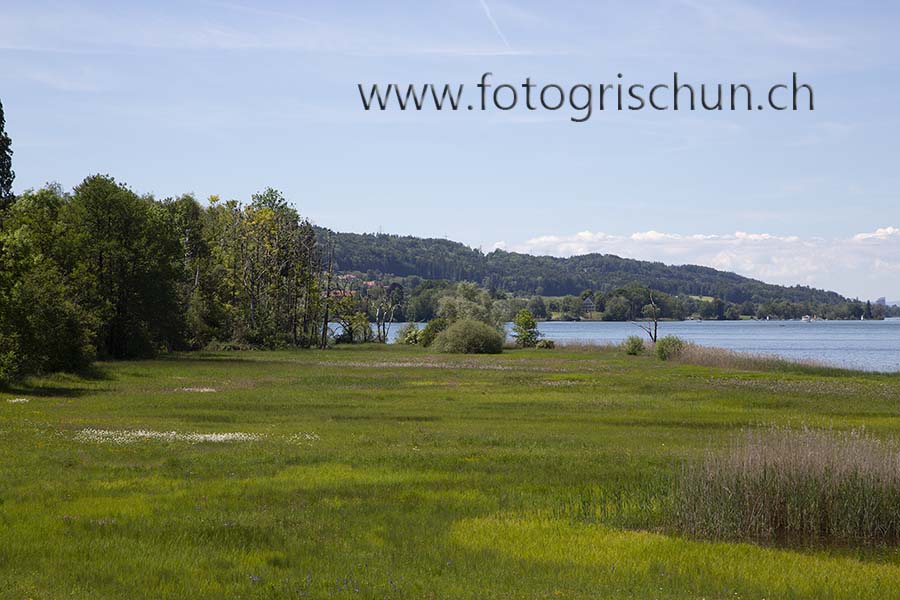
[(793, 485)]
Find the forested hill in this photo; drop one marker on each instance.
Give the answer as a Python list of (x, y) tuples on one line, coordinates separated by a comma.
[(548, 275)]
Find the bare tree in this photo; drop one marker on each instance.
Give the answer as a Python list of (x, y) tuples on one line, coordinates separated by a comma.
[(386, 303), (651, 311)]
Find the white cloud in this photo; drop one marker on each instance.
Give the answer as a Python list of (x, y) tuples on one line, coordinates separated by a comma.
[(882, 233), (866, 264)]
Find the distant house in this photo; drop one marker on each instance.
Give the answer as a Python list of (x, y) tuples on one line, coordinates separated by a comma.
[(588, 306)]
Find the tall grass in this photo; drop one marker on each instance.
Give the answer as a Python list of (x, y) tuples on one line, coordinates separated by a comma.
[(793, 486), (708, 356)]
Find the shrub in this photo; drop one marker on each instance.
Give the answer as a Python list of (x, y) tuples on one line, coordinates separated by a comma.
[(356, 330), (669, 347), (42, 329), (431, 330), (525, 329), (787, 485), (409, 334), (469, 336), (633, 345), (546, 344)]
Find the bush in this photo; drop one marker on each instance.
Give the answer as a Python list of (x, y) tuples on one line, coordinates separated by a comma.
[(469, 336), (409, 334), (356, 330), (525, 329), (546, 344), (669, 347), (633, 345), (42, 329), (431, 330), (793, 486)]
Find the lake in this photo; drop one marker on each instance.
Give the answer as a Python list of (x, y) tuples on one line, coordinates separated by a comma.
[(867, 345)]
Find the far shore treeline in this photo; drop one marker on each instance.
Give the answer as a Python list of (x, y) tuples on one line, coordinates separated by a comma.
[(103, 272)]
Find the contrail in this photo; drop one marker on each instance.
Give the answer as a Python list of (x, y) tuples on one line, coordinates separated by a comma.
[(487, 12)]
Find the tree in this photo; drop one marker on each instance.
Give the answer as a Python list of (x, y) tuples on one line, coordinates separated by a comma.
[(122, 254), (651, 312), (616, 309), (537, 307), (386, 301), (42, 326), (525, 329), (6, 172)]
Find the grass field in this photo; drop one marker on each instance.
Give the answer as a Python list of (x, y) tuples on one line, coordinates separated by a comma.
[(389, 472)]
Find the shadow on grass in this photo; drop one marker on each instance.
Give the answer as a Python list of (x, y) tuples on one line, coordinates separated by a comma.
[(64, 385)]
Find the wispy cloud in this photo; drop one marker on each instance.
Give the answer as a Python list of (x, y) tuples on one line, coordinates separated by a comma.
[(233, 26), (490, 17), (865, 263), (741, 18)]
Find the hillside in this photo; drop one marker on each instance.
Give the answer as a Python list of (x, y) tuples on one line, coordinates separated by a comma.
[(549, 275)]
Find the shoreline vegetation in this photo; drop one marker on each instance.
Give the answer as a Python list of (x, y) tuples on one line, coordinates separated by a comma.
[(373, 470), (102, 272)]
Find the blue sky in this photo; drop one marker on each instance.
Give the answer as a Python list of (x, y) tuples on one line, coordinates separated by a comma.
[(230, 97)]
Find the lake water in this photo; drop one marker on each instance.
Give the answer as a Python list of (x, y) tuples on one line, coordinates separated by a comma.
[(868, 345)]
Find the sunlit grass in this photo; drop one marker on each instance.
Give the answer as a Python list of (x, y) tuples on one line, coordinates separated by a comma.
[(392, 472)]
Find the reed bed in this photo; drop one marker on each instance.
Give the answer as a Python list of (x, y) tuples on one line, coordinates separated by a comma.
[(785, 485), (707, 356)]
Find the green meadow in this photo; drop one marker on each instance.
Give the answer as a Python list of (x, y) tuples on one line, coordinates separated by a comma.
[(392, 472)]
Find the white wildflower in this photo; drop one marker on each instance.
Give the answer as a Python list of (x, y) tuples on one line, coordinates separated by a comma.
[(126, 436), (303, 437), (18, 400)]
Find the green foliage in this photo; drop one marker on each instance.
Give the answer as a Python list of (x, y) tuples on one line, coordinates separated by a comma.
[(7, 175), (553, 276), (469, 336), (431, 330), (104, 271), (538, 307), (633, 345), (467, 301), (669, 347), (356, 330), (121, 257), (41, 329), (545, 344), (409, 334), (525, 329)]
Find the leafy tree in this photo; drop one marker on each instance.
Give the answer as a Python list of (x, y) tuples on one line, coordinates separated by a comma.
[(42, 326), (617, 309), (7, 175), (525, 329), (537, 307), (121, 255)]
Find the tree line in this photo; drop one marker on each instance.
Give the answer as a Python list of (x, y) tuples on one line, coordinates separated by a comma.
[(380, 256), (103, 272)]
